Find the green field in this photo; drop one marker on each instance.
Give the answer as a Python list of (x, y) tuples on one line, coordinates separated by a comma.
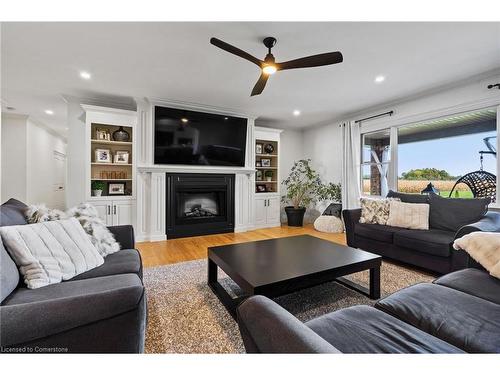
[(461, 194)]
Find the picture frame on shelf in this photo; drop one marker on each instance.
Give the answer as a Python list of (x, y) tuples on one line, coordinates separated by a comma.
[(268, 148), (261, 188), (265, 162), (116, 188), (258, 164), (102, 134), (121, 157), (258, 148), (103, 155), (258, 175)]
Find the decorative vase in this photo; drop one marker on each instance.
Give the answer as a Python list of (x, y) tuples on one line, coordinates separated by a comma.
[(268, 148), (295, 216), (269, 179), (96, 193), (121, 135)]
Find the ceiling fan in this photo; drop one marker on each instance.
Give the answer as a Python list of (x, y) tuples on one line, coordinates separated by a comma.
[(269, 66)]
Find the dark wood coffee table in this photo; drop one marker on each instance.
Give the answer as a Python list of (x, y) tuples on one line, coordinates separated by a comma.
[(284, 265)]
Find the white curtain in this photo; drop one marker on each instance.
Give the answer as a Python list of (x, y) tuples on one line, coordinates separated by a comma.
[(351, 138)]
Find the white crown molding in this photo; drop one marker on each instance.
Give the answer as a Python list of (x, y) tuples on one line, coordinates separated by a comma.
[(100, 102), (201, 107), (96, 108)]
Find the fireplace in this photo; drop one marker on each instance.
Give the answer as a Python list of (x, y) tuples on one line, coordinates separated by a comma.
[(199, 204)]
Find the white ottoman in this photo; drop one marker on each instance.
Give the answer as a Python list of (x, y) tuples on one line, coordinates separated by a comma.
[(329, 224)]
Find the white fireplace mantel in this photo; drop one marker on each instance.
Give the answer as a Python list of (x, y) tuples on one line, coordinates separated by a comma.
[(193, 169)]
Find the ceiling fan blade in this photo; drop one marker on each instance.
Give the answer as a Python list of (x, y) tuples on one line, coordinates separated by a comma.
[(312, 61), (259, 86), (235, 51)]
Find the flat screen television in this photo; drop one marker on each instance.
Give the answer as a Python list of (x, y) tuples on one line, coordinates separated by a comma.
[(197, 138)]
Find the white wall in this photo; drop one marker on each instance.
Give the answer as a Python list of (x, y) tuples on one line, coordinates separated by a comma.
[(75, 189), (28, 165), (291, 150), (324, 144), (14, 158), (42, 166)]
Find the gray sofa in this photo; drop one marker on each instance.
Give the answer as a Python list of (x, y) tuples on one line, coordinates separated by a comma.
[(457, 313), (430, 249), (99, 311)]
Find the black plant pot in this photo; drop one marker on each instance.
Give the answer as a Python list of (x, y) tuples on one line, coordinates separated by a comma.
[(295, 216)]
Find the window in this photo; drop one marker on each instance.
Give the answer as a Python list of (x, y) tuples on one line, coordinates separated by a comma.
[(375, 163), (441, 151)]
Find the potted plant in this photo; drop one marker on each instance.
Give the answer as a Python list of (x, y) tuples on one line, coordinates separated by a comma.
[(303, 187), (269, 175), (97, 188)]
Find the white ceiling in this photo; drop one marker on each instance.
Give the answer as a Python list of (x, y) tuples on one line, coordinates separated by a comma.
[(175, 61)]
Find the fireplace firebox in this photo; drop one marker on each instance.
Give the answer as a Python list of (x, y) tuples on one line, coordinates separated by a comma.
[(199, 204)]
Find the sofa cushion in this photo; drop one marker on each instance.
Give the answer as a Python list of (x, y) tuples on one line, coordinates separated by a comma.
[(124, 261), (465, 321), (433, 241), (382, 233), (363, 329), (473, 281), (453, 213), (9, 275), (60, 307), (12, 213), (409, 198)]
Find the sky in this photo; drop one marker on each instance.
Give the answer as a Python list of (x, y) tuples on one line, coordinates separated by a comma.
[(456, 155)]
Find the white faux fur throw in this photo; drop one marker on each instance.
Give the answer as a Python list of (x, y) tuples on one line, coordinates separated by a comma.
[(87, 215), (49, 252), (484, 248)]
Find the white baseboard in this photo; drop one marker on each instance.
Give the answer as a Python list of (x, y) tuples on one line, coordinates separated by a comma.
[(155, 238)]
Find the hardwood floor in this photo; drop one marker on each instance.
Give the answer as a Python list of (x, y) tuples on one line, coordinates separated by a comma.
[(191, 248)]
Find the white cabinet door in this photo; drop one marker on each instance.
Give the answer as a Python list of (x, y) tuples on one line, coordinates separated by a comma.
[(260, 211), (122, 213), (104, 210), (273, 210)]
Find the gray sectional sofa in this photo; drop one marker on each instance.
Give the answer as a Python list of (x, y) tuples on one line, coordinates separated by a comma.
[(457, 313), (430, 249), (99, 311)]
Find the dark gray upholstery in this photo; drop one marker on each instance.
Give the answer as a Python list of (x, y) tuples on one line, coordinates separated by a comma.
[(433, 241), (453, 213), (465, 321), (9, 274), (100, 311), (383, 233), (426, 249), (124, 235), (473, 281), (123, 261), (363, 329), (12, 213), (59, 307), (408, 198), (268, 328)]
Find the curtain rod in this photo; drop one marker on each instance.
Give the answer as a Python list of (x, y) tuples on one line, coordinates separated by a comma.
[(390, 113)]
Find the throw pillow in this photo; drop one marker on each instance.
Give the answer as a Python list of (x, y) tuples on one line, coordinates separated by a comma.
[(484, 248), (87, 215), (408, 198), (374, 211), (453, 213), (49, 252), (408, 215)]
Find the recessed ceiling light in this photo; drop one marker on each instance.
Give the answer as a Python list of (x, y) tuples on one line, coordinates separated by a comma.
[(296, 112), (379, 79), (85, 75), (49, 111)]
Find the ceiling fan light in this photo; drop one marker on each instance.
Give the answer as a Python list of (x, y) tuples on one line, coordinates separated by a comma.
[(269, 69)]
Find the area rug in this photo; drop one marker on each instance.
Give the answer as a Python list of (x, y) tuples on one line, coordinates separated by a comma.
[(184, 316)]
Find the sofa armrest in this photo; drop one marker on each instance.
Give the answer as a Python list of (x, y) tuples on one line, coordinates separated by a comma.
[(124, 234), (488, 223), (351, 217), (268, 328)]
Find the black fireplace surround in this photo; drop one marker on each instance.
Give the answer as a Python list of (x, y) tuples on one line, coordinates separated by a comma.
[(199, 204)]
